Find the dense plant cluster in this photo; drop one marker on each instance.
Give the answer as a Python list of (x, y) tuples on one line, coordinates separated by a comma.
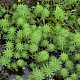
[(37, 36)]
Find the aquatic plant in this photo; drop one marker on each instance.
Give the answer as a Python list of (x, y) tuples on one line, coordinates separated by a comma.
[(45, 38)]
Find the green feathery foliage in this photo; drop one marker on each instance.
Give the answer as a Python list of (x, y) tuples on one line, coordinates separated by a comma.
[(59, 14), (7, 16), (45, 13), (38, 74), (44, 37), (21, 63), (42, 56), (64, 72), (17, 55), (64, 56), (68, 78), (38, 9), (77, 56), (4, 23), (36, 36), (22, 10), (33, 65), (14, 66), (20, 21), (24, 55), (50, 47), (69, 65), (48, 71), (74, 76), (9, 45), (78, 68), (20, 34), (45, 43), (78, 21), (10, 33), (55, 64), (19, 46), (76, 39), (33, 48), (26, 30), (4, 60), (11, 30), (71, 1), (8, 53), (2, 10), (46, 28)]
